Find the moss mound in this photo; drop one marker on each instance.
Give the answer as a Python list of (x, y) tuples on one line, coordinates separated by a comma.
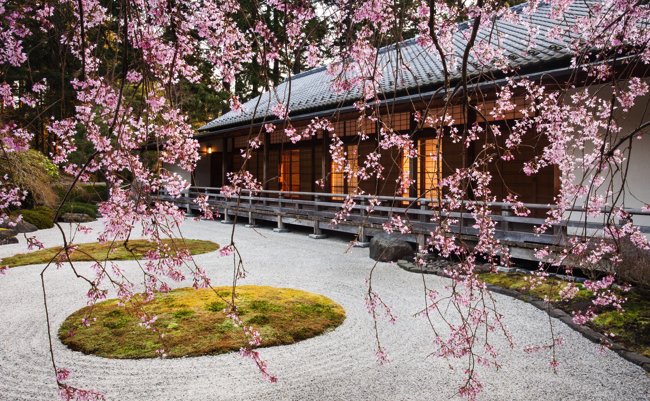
[(194, 322), (41, 216), (134, 249)]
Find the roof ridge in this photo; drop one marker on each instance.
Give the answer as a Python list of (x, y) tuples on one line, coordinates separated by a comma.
[(313, 92), (306, 73), (407, 42)]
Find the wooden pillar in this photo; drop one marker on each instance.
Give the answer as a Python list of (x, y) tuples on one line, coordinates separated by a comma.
[(417, 161), (265, 162), (325, 152), (413, 170), (470, 120), (470, 152), (313, 164), (224, 160)]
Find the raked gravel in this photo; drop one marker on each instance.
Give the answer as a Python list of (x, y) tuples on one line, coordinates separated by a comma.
[(339, 365)]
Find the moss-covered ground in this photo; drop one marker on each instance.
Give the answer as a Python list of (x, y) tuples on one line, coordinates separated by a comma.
[(194, 322), (134, 249), (630, 328)]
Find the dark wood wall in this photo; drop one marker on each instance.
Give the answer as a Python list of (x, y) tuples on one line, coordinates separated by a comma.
[(508, 176)]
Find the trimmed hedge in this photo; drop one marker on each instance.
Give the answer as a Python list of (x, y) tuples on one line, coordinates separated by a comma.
[(41, 216), (79, 207), (84, 193)]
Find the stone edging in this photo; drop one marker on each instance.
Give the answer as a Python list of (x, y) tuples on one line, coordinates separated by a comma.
[(587, 332)]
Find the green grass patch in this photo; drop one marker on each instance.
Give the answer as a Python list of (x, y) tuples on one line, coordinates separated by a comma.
[(135, 249), (193, 322), (631, 327)]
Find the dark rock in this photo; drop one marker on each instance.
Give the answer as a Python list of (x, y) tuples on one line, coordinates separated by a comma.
[(76, 218), (406, 265), (8, 240), (20, 227), (557, 313), (8, 236), (389, 248), (25, 227), (7, 232), (635, 264), (483, 268), (636, 358)]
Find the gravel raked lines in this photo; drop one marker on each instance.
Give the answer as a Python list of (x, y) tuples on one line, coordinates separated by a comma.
[(338, 365)]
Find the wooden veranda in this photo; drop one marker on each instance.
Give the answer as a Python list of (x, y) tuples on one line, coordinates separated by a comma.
[(317, 210)]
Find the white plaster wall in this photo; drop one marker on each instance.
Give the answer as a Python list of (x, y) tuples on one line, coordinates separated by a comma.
[(637, 187)]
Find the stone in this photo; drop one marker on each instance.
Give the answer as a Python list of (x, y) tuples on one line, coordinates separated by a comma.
[(635, 264), (8, 236), (20, 227), (389, 248), (7, 232), (76, 218), (8, 240)]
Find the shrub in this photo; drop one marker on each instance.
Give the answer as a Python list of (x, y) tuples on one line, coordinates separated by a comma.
[(34, 172), (41, 217), (79, 207), (84, 193)]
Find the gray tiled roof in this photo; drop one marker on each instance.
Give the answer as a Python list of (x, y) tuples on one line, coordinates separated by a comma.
[(311, 90)]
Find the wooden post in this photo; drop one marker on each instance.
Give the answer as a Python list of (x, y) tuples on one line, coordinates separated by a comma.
[(226, 217), (421, 240), (362, 240), (423, 208), (505, 225), (318, 233), (280, 228), (251, 217), (188, 210)]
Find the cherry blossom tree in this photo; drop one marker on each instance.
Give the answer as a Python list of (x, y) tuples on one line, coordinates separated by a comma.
[(127, 59)]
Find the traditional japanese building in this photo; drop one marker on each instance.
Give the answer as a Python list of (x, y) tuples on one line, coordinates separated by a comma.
[(407, 92)]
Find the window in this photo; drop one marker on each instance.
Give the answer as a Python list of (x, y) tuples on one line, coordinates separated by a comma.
[(406, 175), (290, 170), (397, 121), (339, 173), (430, 164)]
